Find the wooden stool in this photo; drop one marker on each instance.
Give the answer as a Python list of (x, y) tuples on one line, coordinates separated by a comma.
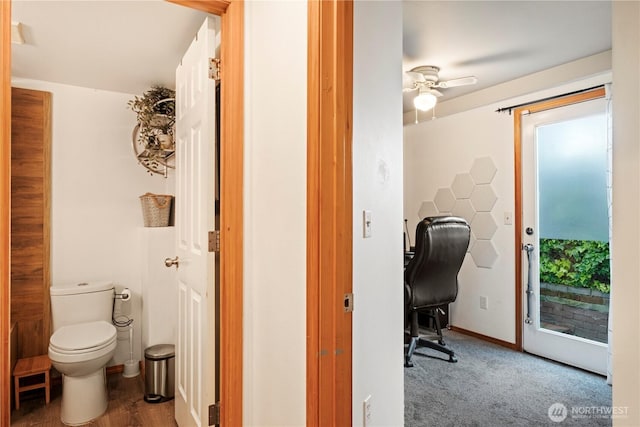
[(28, 367)]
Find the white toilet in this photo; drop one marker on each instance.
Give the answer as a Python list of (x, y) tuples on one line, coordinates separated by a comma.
[(83, 342)]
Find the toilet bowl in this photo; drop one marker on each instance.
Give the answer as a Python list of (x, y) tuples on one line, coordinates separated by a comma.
[(80, 348)]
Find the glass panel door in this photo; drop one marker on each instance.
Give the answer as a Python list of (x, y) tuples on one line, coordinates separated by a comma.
[(566, 228)]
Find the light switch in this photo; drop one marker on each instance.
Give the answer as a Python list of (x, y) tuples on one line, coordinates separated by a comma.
[(366, 224)]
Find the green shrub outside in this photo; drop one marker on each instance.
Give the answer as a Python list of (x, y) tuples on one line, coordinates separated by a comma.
[(578, 263)]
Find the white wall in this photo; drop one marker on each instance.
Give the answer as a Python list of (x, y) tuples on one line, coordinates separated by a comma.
[(377, 186), (435, 152), (625, 269), (275, 214), (95, 184)]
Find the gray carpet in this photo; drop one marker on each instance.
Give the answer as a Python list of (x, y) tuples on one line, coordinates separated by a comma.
[(493, 386)]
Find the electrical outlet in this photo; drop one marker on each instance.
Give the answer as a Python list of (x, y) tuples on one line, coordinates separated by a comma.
[(508, 218), (366, 409), (484, 303)]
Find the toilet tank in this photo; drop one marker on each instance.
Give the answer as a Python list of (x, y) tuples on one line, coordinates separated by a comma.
[(81, 302)]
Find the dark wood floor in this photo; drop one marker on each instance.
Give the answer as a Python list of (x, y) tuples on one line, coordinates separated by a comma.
[(127, 407)]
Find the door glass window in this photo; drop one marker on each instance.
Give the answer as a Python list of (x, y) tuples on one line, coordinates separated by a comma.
[(574, 226)]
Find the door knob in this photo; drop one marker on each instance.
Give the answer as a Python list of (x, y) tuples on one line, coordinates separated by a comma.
[(168, 262)]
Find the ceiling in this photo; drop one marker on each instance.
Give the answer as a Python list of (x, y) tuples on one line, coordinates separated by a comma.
[(127, 46), (498, 41), (122, 46)]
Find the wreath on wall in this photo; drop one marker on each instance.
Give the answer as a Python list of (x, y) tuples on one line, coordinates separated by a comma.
[(153, 136)]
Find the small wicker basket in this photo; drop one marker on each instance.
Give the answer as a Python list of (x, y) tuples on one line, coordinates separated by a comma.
[(156, 209)]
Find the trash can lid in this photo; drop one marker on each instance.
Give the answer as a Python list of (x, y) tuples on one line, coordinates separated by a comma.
[(160, 351)]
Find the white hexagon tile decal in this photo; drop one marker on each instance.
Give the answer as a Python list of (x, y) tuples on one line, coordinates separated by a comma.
[(444, 200), (483, 198), (484, 253), (483, 170), (427, 209), (462, 186), (472, 241), (483, 225), (463, 209)]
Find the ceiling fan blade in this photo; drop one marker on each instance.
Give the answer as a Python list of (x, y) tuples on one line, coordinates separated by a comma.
[(462, 81), (410, 78)]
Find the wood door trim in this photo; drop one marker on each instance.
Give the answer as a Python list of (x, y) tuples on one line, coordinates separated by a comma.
[(329, 211), (5, 213), (232, 13), (535, 107)]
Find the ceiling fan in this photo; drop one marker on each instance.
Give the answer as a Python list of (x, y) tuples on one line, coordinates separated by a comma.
[(425, 79)]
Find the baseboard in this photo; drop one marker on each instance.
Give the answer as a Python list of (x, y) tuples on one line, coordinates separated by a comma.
[(509, 345)]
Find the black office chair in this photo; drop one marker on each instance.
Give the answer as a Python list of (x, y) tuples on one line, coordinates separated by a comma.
[(431, 276)]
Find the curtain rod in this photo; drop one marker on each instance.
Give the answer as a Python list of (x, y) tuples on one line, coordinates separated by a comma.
[(511, 108)]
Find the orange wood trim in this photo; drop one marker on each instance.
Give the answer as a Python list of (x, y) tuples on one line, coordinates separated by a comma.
[(46, 223), (329, 211), (5, 212), (231, 216), (216, 7), (517, 150), (501, 343), (313, 209), (231, 196), (517, 143)]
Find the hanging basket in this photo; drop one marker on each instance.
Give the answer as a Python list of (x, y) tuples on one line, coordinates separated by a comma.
[(156, 209)]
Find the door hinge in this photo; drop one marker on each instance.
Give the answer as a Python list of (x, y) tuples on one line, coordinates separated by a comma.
[(214, 414), (214, 241), (214, 69), (348, 303)]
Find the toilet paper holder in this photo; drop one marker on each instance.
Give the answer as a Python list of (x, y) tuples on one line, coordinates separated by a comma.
[(125, 295)]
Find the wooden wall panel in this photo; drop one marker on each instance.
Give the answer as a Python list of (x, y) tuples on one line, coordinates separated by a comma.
[(30, 219)]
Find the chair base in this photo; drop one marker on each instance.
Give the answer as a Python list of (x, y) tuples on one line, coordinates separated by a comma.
[(419, 341), (416, 339)]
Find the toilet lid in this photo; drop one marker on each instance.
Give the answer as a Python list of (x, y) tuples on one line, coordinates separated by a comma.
[(83, 336)]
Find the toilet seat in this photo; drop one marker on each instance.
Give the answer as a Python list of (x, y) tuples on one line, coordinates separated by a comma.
[(83, 338)]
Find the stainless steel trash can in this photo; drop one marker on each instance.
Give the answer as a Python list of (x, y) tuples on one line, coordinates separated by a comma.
[(159, 371)]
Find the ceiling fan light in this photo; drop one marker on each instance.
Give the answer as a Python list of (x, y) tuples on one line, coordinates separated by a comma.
[(425, 101)]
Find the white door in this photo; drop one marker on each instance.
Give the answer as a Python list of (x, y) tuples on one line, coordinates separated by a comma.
[(195, 218), (566, 234)]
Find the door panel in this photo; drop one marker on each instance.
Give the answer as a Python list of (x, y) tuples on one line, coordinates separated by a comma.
[(196, 353), (564, 202)]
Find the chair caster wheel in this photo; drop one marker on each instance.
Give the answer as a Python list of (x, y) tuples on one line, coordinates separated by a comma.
[(453, 359), (408, 364)]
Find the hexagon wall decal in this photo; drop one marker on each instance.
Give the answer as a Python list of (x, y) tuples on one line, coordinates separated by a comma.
[(444, 200), (483, 198), (472, 241), (484, 253), (427, 209), (463, 209), (483, 225), (462, 186), (483, 170)]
